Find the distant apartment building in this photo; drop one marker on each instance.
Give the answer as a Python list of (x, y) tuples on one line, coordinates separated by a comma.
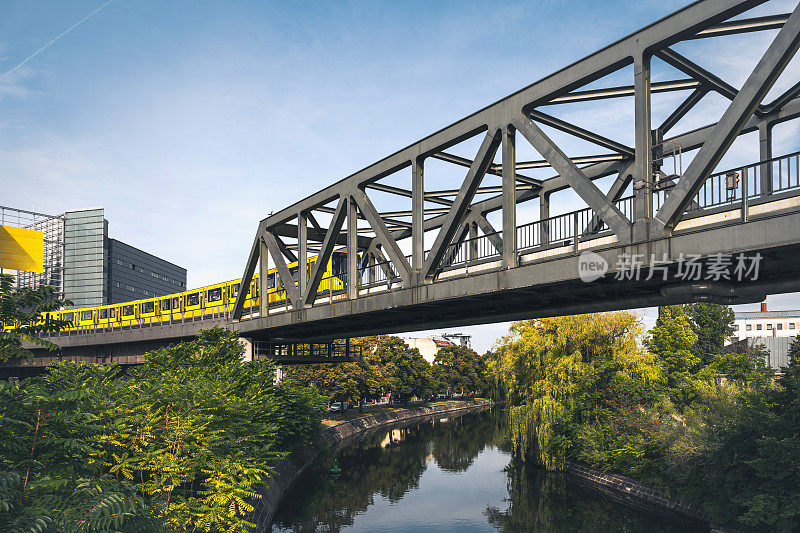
[(429, 346), (91, 269)]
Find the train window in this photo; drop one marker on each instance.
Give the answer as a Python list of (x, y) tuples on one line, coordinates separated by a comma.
[(67, 316), (192, 299), (127, 310), (295, 272), (86, 315), (165, 304), (271, 281), (112, 313), (103, 314), (234, 290), (148, 307), (339, 265), (176, 303), (215, 295)]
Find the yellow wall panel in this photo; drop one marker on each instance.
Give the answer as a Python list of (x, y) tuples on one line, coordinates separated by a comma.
[(21, 249)]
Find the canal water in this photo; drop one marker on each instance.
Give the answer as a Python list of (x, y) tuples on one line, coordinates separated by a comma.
[(448, 474)]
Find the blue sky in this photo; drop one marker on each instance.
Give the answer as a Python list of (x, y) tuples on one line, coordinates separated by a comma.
[(190, 121)]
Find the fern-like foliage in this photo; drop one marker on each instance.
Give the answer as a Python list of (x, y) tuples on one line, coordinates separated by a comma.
[(181, 443), (23, 313)]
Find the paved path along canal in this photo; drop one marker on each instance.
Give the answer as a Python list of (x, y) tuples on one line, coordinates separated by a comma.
[(448, 474)]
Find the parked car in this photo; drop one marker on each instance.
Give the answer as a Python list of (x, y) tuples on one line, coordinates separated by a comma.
[(340, 407)]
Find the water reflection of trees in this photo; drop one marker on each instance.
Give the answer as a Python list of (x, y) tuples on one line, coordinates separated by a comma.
[(544, 501), (457, 442), (390, 469), (389, 465)]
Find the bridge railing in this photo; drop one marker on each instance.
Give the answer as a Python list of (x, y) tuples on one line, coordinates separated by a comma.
[(753, 181), (377, 274), (472, 250), (561, 229)]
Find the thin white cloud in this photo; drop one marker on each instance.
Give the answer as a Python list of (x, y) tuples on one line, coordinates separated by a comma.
[(51, 42)]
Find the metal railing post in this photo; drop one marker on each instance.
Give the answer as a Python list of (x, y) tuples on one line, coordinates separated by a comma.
[(575, 231), (745, 194)]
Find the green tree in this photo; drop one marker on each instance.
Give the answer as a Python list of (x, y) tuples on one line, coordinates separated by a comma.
[(23, 312), (404, 371), (459, 369), (673, 340), (713, 325), (745, 471), (50, 478), (746, 366)]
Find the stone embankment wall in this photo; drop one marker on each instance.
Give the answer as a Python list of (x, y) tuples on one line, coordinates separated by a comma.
[(634, 493), (339, 436)]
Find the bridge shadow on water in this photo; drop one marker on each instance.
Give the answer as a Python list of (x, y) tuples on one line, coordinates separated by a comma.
[(448, 474)]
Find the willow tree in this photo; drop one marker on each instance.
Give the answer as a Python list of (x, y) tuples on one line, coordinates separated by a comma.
[(581, 387)]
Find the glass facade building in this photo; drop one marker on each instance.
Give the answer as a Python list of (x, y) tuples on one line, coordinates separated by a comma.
[(52, 228), (85, 257), (96, 270)]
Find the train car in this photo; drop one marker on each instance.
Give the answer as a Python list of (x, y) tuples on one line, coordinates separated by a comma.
[(206, 301)]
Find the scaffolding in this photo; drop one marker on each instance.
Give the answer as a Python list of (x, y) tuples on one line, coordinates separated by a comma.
[(52, 226)]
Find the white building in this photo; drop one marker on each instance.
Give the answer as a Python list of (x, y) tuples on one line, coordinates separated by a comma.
[(429, 346), (749, 324)]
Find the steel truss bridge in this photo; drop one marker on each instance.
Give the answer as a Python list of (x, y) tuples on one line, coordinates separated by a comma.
[(473, 272), (435, 260)]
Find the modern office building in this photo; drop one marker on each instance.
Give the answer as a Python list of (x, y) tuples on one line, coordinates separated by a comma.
[(135, 274), (94, 269)]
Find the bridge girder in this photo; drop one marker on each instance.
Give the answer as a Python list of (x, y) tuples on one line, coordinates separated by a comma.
[(462, 215)]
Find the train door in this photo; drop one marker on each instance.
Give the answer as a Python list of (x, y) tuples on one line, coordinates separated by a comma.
[(165, 309), (177, 307), (85, 318), (128, 314)]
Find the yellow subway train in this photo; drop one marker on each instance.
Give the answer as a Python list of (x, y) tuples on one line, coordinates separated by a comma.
[(211, 300)]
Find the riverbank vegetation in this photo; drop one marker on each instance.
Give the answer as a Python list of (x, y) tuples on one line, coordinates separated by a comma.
[(666, 406), (390, 368), (176, 444)]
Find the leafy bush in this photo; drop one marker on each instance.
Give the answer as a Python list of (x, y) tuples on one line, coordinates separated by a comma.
[(180, 442)]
